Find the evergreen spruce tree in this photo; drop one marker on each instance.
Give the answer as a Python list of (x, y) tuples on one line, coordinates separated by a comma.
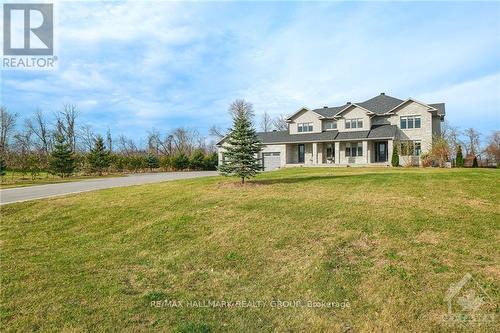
[(62, 161), (459, 160), (395, 156), (99, 157), (153, 162), (180, 161), (3, 166), (474, 162), (196, 160), (242, 144)]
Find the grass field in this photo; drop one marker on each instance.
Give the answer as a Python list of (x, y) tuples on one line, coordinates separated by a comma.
[(376, 249), (16, 179)]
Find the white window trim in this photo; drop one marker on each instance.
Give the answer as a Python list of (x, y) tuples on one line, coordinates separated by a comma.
[(410, 116)]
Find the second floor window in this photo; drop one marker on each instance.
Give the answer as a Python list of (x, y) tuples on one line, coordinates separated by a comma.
[(330, 124), (409, 122), (354, 123), (304, 127)]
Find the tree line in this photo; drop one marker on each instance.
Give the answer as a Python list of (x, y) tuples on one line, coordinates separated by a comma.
[(60, 146)]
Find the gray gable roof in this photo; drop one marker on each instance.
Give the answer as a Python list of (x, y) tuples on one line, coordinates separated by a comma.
[(376, 132), (285, 137), (378, 105), (329, 112), (381, 103), (440, 108)]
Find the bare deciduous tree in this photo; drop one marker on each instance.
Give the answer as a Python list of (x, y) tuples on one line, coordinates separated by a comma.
[(66, 123), (280, 123), (7, 124), (87, 137), (126, 145), (39, 127), (492, 150), (472, 142), (154, 141), (217, 132), (266, 122), (109, 140)]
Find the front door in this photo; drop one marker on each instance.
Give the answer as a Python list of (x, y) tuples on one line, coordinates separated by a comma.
[(302, 152), (381, 152)]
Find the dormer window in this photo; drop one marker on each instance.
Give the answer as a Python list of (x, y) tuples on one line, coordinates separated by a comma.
[(304, 127), (354, 123), (330, 125)]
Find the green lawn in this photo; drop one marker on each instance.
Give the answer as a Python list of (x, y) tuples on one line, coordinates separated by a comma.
[(16, 179), (382, 245)]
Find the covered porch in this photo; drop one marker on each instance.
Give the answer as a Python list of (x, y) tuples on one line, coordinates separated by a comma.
[(339, 153)]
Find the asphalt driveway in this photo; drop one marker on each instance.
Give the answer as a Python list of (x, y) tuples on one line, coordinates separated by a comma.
[(19, 194)]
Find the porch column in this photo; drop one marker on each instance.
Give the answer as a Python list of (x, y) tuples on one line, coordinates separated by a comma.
[(365, 151), (315, 153), (390, 146), (337, 152)]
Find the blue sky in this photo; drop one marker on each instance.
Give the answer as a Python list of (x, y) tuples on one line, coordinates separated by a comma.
[(134, 66)]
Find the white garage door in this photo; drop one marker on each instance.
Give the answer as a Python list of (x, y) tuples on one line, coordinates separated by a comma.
[(271, 160)]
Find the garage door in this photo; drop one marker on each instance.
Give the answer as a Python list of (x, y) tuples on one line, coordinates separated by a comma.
[(271, 160)]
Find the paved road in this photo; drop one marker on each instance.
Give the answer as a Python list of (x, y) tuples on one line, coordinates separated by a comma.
[(51, 190)]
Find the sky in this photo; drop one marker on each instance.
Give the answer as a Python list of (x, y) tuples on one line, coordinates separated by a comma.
[(133, 66)]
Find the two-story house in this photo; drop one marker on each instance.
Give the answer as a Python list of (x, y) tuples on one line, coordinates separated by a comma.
[(352, 134)]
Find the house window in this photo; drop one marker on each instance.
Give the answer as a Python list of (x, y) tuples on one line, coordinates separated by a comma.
[(304, 127), (411, 148), (330, 124), (354, 123), (329, 150), (417, 122), (354, 149), (409, 122), (418, 148)]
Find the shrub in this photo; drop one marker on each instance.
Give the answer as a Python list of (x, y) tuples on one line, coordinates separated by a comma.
[(459, 160), (180, 161), (196, 160), (474, 162), (152, 162), (395, 156), (426, 160), (210, 161), (165, 163)]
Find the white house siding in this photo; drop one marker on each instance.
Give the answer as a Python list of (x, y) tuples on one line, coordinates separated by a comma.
[(422, 134), (354, 112), (305, 117), (358, 159)]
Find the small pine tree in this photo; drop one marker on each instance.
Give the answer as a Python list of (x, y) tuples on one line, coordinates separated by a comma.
[(99, 157), (242, 145), (62, 161), (474, 162), (180, 161), (153, 162), (395, 156), (196, 159), (459, 160), (3, 166), (210, 161)]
